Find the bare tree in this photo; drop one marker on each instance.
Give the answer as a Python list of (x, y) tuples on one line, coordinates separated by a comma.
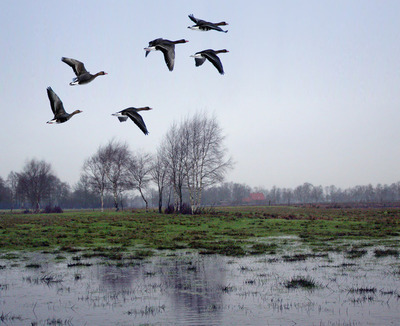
[(158, 174), (174, 154), (94, 170), (4, 191), (117, 157), (58, 191), (12, 182), (205, 161), (83, 195), (239, 192), (140, 174), (34, 182)]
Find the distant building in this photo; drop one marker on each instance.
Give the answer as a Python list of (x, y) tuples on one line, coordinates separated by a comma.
[(255, 198)]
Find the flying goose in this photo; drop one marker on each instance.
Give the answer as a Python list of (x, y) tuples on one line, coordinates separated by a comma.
[(167, 47), (211, 56), (134, 115), (82, 75), (57, 107), (202, 25)]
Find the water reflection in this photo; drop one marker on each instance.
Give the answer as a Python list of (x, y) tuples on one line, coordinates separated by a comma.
[(195, 287), (190, 289)]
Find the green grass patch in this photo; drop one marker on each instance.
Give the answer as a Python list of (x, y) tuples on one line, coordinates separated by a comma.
[(233, 231)]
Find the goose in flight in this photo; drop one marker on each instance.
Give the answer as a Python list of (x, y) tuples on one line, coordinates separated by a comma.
[(133, 114), (211, 56), (167, 47), (202, 25), (57, 107), (82, 75)]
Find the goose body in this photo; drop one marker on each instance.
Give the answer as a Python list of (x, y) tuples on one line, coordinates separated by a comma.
[(82, 75), (133, 114), (211, 56), (167, 47), (57, 107), (202, 25)]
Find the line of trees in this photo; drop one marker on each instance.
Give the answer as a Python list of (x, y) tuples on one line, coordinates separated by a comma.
[(190, 159), (187, 170), (31, 188)]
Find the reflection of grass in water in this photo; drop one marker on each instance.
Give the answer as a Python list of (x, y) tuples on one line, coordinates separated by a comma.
[(46, 279), (362, 290), (363, 294), (54, 321), (79, 264), (147, 311)]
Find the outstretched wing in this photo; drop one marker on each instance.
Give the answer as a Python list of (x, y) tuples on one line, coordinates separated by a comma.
[(56, 105), (137, 119), (208, 26), (194, 19), (214, 59), (76, 65), (169, 54)]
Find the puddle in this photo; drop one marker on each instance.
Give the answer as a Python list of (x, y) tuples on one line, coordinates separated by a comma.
[(192, 289)]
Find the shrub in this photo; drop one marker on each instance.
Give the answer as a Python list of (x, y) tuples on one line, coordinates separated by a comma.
[(56, 209), (170, 209), (186, 209)]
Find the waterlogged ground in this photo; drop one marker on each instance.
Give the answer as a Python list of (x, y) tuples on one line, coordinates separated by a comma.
[(358, 284)]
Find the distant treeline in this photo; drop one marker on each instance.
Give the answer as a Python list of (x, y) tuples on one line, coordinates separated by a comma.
[(234, 194), (14, 192)]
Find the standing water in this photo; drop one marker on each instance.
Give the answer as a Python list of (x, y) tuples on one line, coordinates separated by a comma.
[(192, 289)]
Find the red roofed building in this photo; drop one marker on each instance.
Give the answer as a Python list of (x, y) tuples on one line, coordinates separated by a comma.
[(255, 197)]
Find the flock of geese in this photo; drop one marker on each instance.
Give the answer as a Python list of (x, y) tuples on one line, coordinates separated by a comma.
[(167, 47)]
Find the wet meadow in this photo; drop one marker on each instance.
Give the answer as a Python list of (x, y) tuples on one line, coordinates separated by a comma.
[(231, 265)]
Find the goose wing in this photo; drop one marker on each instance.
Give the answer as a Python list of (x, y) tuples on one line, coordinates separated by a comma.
[(56, 105), (77, 66), (208, 26), (169, 54), (136, 118), (194, 19), (199, 60), (205, 25), (214, 59)]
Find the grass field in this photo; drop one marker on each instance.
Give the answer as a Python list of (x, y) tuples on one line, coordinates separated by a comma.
[(235, 231)]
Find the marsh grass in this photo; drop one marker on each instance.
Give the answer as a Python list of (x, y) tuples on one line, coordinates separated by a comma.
[(47, 279), (302, 282), (231, 231), (9, 317), (354, 253), (386, 252), (361, 290)]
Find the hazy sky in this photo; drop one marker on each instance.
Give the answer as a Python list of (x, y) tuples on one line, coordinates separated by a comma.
[(311, 91)]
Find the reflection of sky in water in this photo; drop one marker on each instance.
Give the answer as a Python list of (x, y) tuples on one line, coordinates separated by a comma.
[(201, 290)]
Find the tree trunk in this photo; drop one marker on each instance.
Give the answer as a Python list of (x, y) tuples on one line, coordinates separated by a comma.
[(116, 202), (160, 201), (144, 198)]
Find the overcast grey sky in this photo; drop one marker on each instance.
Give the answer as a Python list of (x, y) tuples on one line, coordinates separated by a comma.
[(311, 91)]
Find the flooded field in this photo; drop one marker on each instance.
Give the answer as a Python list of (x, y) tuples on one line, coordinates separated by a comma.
[(356, 286)]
